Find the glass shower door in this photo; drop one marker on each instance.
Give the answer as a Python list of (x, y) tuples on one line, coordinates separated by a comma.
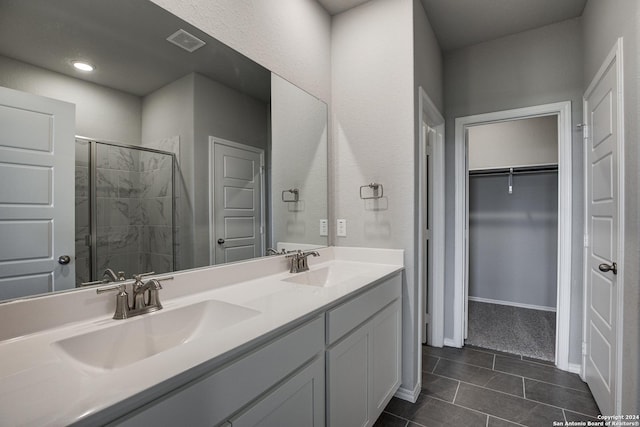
[(133, 215)]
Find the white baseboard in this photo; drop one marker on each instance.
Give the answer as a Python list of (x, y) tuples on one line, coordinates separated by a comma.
[(574, 368), (513, 304), (448, 342), (409, 395)]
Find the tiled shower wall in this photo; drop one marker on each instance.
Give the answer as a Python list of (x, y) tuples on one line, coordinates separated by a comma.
[(134, 210), (83, 255)]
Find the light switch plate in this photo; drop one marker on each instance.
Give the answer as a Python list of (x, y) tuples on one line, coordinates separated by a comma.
[(324, 227), (341, 228)]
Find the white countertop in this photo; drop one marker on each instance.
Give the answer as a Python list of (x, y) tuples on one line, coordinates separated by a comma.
[(40, 385)]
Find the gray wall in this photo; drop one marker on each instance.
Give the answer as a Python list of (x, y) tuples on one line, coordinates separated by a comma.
[(101, 113), (603, 23), (427, 61), (194, 108), (513, 238), (372, 94), (168, 112), (514, 143), (298, 160), (228, 114), (531, 68)]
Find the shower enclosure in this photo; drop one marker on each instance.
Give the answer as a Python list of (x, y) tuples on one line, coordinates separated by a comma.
[(124, 209)]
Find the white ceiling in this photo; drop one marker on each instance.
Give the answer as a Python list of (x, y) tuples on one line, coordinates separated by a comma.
[(125, 40), (460, 23), (335, 7)]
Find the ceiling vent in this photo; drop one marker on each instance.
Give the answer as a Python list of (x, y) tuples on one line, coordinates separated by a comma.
[(186, 41)]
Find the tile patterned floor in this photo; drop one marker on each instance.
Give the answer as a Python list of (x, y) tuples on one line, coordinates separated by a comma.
[(477, 387)]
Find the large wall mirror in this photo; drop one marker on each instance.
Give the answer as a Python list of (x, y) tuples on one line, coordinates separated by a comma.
[(175, 152)]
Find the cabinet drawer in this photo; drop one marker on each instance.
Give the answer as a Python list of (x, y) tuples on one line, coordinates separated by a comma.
[(349, 315), (211, 400)]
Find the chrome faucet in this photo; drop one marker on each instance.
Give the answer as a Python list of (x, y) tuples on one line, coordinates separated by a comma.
[(141, 302), (107, 277), (271, 251), (298, 261), (111, 276)]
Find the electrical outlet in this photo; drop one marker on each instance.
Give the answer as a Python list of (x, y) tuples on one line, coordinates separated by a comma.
[(324, 227), (342, 228)]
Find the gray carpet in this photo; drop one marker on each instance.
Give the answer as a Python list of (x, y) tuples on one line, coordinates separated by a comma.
[(530, 333)]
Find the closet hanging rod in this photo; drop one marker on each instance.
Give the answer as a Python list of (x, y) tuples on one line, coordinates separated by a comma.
[(516, 170)]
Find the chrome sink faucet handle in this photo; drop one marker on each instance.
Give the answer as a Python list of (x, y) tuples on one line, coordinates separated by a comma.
[(122, 300)]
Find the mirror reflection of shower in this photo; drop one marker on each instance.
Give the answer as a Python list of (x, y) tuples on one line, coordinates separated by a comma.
[(125, 209)]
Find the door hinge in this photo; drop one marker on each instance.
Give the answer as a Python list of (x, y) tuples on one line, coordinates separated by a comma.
[(585, 131), (586, 241), (261, 229), (262, 170), (87, 240), (584, 348)]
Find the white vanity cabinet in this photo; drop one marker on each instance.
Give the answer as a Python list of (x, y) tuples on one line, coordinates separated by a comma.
[(338, 369), (364, 355), (286, 373)]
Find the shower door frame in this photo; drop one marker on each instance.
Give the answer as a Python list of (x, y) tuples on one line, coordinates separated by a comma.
[(93, 198)]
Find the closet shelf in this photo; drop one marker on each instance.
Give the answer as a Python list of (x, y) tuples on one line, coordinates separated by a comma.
[(515, 170)]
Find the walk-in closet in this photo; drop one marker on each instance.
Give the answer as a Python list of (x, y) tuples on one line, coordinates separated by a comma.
[(513, 236)]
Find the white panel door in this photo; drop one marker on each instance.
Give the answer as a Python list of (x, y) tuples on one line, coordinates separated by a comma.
[(601, 112), (238, 202), (37, 188)]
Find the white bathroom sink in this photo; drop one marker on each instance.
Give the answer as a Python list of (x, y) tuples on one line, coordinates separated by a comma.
[(326, 276), (131, 340)]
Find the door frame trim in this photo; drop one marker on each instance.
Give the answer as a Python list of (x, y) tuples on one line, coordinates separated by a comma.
[(215, 140), (615, 55), (434, 119), (563, 111)]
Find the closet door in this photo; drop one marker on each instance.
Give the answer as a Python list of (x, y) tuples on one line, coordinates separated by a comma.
[(602, 299)]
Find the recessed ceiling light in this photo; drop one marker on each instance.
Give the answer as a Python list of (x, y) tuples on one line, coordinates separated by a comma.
[(83, 66)]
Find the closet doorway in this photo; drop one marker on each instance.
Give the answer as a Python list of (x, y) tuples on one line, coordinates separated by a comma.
[(513, 236), (487, 278)]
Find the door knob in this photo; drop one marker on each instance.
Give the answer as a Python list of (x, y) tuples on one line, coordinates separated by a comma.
[(220, 241), (64, 259), (613, 267)]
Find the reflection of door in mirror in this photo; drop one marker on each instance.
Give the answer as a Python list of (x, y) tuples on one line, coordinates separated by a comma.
[(37, 249), (238, 201)]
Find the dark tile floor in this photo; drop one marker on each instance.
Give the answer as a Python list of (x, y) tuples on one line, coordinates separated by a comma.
[(477, 387)]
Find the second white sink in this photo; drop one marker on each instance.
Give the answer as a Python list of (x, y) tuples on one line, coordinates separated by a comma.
[(129, 341)]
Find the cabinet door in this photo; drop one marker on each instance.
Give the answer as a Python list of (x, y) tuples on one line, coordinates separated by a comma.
[(385, 356), (298, 402), (348, 380), (364, 370)]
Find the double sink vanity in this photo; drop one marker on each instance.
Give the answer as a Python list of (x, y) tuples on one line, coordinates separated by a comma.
[(236, 345)]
